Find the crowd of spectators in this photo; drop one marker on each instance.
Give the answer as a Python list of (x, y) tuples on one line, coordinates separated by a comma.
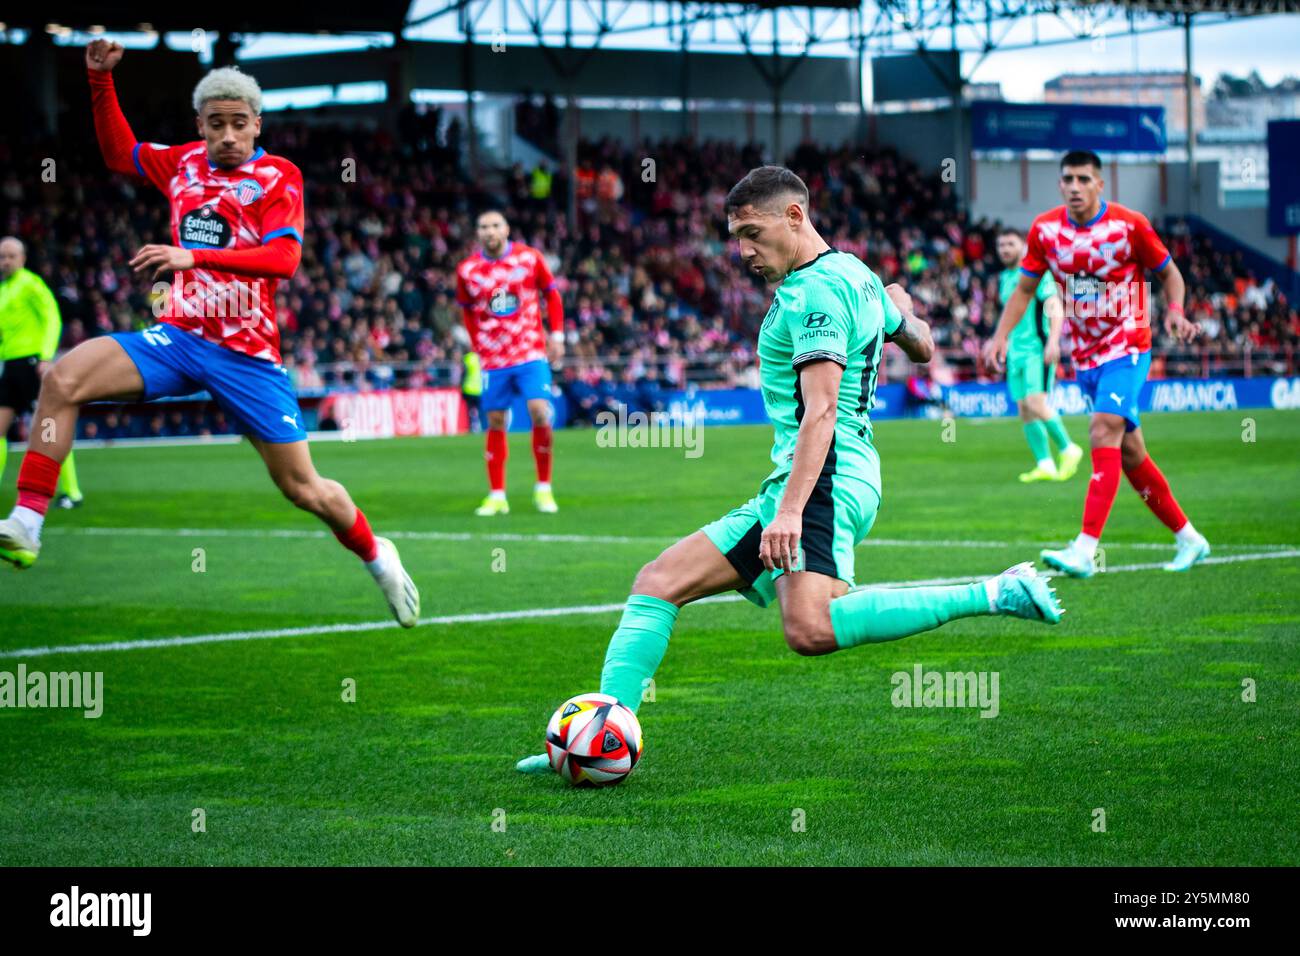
[(653, 290)]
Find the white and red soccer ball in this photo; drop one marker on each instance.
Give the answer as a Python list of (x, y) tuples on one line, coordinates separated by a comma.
[(593, 740)]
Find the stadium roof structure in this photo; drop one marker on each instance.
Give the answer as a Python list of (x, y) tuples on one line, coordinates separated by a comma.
[(321, 16), (857, 26)]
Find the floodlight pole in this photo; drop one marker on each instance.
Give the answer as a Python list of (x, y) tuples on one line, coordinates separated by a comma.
[(224, 49), (686, 74), (957, 86), (860, 42), (467, 83)]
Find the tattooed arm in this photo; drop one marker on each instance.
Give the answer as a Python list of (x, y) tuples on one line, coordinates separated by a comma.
[(913, 336)]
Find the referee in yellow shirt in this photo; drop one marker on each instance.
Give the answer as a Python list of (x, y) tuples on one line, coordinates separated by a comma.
[(29, 336)]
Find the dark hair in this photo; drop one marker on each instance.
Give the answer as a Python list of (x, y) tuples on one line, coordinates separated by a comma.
[(1081, 157), (764, 184), (489, 211), (1010, 231)]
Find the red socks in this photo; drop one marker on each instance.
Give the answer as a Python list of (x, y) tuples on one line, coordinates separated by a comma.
[(359, 539), (1101, 490), (37, 480), (542, 452), (1148, 481), (496, 454), (498, 451)]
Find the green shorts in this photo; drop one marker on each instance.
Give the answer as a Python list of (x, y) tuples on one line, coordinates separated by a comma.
[(839, 514), (1028, 375)]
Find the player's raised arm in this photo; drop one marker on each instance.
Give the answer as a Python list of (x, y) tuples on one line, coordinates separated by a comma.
[(116, 141), (912, 335)]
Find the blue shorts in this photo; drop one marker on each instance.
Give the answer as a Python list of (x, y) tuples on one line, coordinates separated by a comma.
[(255, 393), (501, 385), (1115, 387)]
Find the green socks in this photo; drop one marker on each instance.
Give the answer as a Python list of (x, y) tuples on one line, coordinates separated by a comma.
[(1056, 431), (1036, 436), (68, 479), (886, 614), (637, 647), (4, 451)]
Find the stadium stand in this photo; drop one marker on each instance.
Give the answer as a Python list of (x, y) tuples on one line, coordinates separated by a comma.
[(653, 296)]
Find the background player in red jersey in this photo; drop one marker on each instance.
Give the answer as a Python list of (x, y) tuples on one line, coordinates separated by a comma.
[(1099, 253), (237, 221), (500, 289)]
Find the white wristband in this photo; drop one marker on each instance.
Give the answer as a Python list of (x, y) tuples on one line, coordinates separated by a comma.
[(557, 336)]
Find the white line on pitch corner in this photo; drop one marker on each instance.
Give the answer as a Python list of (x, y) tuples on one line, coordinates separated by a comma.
[(547, 538), (525, 614)]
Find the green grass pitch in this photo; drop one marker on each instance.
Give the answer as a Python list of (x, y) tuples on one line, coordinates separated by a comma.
[(1133, 705)]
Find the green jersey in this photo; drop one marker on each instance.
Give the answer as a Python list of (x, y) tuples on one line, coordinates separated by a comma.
[(833, 308), (1030, 334), (29, 317)]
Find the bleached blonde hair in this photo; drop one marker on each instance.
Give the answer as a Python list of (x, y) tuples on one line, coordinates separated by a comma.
[(228, 83)]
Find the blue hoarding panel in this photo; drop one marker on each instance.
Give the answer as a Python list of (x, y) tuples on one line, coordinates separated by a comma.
[(1061, 126), (1284, 177), (743, 406)]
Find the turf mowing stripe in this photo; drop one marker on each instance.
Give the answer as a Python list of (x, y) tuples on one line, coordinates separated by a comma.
[(523, 614), (581, 538)]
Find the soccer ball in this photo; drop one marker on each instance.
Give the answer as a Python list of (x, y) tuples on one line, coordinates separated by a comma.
[(593, 740)]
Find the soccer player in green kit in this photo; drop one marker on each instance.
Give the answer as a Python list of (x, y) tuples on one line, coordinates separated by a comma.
[(820, 348), (1033, 351), (29, 337)]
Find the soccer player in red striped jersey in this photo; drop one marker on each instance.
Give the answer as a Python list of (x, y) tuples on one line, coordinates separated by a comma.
[(500, 288), (237, 222), (1099, 253)]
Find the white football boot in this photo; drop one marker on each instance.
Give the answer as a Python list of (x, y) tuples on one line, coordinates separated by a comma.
[(399, 590)]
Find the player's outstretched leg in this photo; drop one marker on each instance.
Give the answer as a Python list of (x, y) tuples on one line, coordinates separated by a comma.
[(291, 468), (820, 617), (1148, 481), (691, 569), (94, 370), (495, 454), (543, 437)]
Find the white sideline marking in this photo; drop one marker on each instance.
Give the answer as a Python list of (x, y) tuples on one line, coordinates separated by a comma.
[(545, 538), (520, 615)]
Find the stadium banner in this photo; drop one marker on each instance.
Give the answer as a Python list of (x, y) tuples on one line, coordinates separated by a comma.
[(1283, 177), (396, 412), (744, 406), (976, 400), (1109, 129), (441, 411)]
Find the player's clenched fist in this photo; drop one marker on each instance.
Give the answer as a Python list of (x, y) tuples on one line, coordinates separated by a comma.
[(103, 54), (898, 295)]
